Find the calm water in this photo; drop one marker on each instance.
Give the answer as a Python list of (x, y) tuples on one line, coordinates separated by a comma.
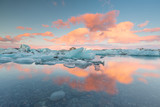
[(120, 82)]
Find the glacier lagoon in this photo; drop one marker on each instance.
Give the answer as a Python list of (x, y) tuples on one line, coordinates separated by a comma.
[(79, 78)]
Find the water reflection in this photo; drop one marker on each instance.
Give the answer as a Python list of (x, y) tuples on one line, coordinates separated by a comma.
[(95, 77)]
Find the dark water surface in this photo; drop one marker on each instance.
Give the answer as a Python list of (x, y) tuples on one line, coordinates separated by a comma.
[(120, 82)]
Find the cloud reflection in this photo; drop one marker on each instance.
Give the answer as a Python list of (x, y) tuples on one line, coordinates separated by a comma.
[(93, 78)]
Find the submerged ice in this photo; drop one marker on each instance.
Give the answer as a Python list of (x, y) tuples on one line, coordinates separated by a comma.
[(70, 58)]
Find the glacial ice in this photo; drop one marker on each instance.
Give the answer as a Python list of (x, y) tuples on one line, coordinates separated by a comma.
[(73, 53), (24, 60), (24, 48), (80, 57), (5, 60)]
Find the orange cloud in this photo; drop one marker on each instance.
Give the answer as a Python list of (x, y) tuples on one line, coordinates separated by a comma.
[(143, 24), (19, 37), (120, 33), (123, 33), (44, 34), (23, 28), (94, 22), (45, 25), (77, 36)]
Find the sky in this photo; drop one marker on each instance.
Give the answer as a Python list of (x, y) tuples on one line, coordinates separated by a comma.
[(93, 24)]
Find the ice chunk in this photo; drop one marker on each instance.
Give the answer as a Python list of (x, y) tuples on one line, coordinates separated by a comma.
[(46, 57), (7, 55), (26, 60), (86, 54), (73, 53), (5, 60), (49, 63), (34, 51), (44, 50), (70, 58), (57, 95), (131, 52), (80, 53), (24, 48), (9, 51), (143, 52)]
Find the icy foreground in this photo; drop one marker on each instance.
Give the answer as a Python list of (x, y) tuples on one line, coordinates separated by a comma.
[(70, 58)]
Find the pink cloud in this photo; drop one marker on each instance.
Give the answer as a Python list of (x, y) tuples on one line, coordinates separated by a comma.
[(28, 28), (44, 34), (7, 38), (143, 24), (21, 36), (45, 25), (120, 33), (148, 30), (20, 27), (8, 45), (77, 36), (23, 28), (60, 24), (94, 22)]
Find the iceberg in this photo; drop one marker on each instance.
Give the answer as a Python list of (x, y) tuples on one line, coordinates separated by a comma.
[(73, 53), (79, 57), (24, 60), (5, 60), (24, 48), (79, 53), (9, 51)]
